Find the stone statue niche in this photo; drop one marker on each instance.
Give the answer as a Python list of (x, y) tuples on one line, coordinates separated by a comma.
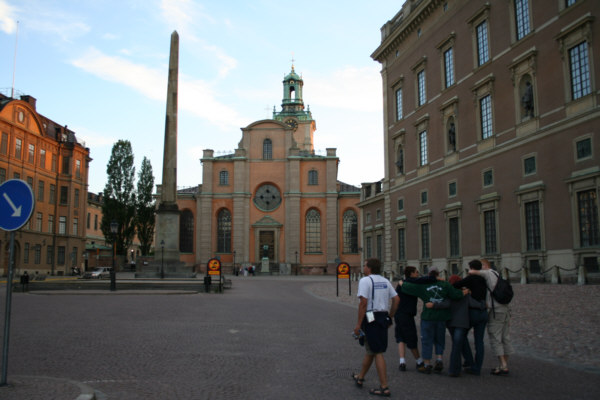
[(451, 135), (526, 91)]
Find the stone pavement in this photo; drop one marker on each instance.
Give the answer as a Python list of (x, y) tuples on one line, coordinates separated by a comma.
[(267, 338)]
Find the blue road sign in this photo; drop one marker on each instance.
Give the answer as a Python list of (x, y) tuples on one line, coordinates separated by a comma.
[(16, 204)]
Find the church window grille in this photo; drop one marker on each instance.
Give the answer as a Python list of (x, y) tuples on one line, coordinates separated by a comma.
[(313, 177), (313, 231), (224, 232), (350, 221), (224, 178), (267, 149), (186, 232)]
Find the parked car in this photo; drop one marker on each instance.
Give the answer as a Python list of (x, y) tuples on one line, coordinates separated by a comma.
[(98, 273)]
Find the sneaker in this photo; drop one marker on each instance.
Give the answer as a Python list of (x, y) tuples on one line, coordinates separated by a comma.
[(419, 365), (425, 369), (439, 366), (402, 367)]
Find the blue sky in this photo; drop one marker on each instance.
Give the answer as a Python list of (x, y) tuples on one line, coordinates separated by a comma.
[(100, 67)]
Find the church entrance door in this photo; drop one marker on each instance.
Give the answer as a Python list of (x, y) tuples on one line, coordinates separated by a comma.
[(266, 238)]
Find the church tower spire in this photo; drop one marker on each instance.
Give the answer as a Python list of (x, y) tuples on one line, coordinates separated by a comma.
[(292, 104)]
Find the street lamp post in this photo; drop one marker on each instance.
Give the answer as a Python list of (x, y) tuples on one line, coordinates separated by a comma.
[(114, 227), (233, 272), (162, 261), (296, 263)]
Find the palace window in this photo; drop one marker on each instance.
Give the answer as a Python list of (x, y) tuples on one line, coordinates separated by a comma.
[(522, 18), (399, 114), (423, 148), (532, 225), (483, 54), (449, 67), (589, 232), (224, 178), (580, 71)]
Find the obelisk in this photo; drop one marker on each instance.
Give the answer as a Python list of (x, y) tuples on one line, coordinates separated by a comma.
[(166, 246)]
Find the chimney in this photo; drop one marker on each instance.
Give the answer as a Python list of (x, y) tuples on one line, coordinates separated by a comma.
[(29, 99)]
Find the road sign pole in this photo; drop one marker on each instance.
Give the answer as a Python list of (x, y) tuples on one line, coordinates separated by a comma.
[(7, 310)]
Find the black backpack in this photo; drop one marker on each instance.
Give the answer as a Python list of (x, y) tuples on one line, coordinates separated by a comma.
[(503, 291)]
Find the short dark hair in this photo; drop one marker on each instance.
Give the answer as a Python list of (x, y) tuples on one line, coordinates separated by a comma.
[(374, 265), (475, 264), (408, 271)]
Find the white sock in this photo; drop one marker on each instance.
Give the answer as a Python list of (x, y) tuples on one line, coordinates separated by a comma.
[(420, 361), (402, 360)]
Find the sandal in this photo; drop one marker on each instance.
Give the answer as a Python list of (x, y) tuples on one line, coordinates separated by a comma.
[(382, 391), (358, 381), (500, 371)]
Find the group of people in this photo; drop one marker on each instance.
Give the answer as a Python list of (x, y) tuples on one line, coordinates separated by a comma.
[(459, 305)]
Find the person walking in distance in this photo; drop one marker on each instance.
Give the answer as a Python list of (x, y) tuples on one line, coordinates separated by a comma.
[(374, 293)]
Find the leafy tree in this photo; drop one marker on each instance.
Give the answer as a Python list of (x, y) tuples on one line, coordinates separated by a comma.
[(145, 208), (119, 197)]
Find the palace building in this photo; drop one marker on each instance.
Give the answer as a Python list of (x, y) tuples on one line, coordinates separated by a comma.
[(275, 196), (49, 158), (491, 137)]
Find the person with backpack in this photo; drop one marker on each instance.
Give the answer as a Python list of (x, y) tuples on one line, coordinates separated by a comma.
[(499, 319)]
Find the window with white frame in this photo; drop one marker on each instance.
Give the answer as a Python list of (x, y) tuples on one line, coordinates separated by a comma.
[(483, 53), (579, 71), (449, 67), (485, 112), (399, 114), (62, 225), (423, 148), (267, 149), (421, 89), (522, 18)]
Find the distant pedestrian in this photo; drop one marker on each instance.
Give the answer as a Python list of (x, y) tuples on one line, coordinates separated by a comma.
[(25, 282)]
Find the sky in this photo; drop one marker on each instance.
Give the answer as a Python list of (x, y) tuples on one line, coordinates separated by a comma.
[(101, 67)]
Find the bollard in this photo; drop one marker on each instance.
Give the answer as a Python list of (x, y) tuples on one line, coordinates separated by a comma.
[(207, 283), (555, 275), (524, 276), (581, 276)]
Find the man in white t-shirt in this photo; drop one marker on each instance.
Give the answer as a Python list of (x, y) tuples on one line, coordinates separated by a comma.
[(374, 293)]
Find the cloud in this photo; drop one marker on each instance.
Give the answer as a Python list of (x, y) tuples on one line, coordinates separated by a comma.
[(195, 96), (8, 19), (350, 88)]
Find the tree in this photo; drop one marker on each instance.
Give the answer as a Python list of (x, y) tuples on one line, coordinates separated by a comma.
[(145, 207), (119, 197)]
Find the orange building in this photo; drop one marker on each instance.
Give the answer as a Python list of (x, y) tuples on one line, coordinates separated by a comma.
[(274, 197), (55, 165)]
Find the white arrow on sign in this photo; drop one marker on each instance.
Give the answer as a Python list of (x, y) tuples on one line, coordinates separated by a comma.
[(16, 210)]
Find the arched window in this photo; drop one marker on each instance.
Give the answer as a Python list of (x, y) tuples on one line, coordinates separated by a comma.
[(350, 221), (313, 231), (186, 232), (224, 231), (313, 177), (224, 178), (267, 149)]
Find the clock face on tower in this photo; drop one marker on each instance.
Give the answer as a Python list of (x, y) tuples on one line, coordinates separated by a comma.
[(292, 123), (267, 197)]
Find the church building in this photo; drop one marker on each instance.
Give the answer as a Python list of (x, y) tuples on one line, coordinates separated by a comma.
[(274, 197)]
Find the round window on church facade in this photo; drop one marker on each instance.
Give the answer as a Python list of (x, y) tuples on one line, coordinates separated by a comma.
[(267, 197)]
